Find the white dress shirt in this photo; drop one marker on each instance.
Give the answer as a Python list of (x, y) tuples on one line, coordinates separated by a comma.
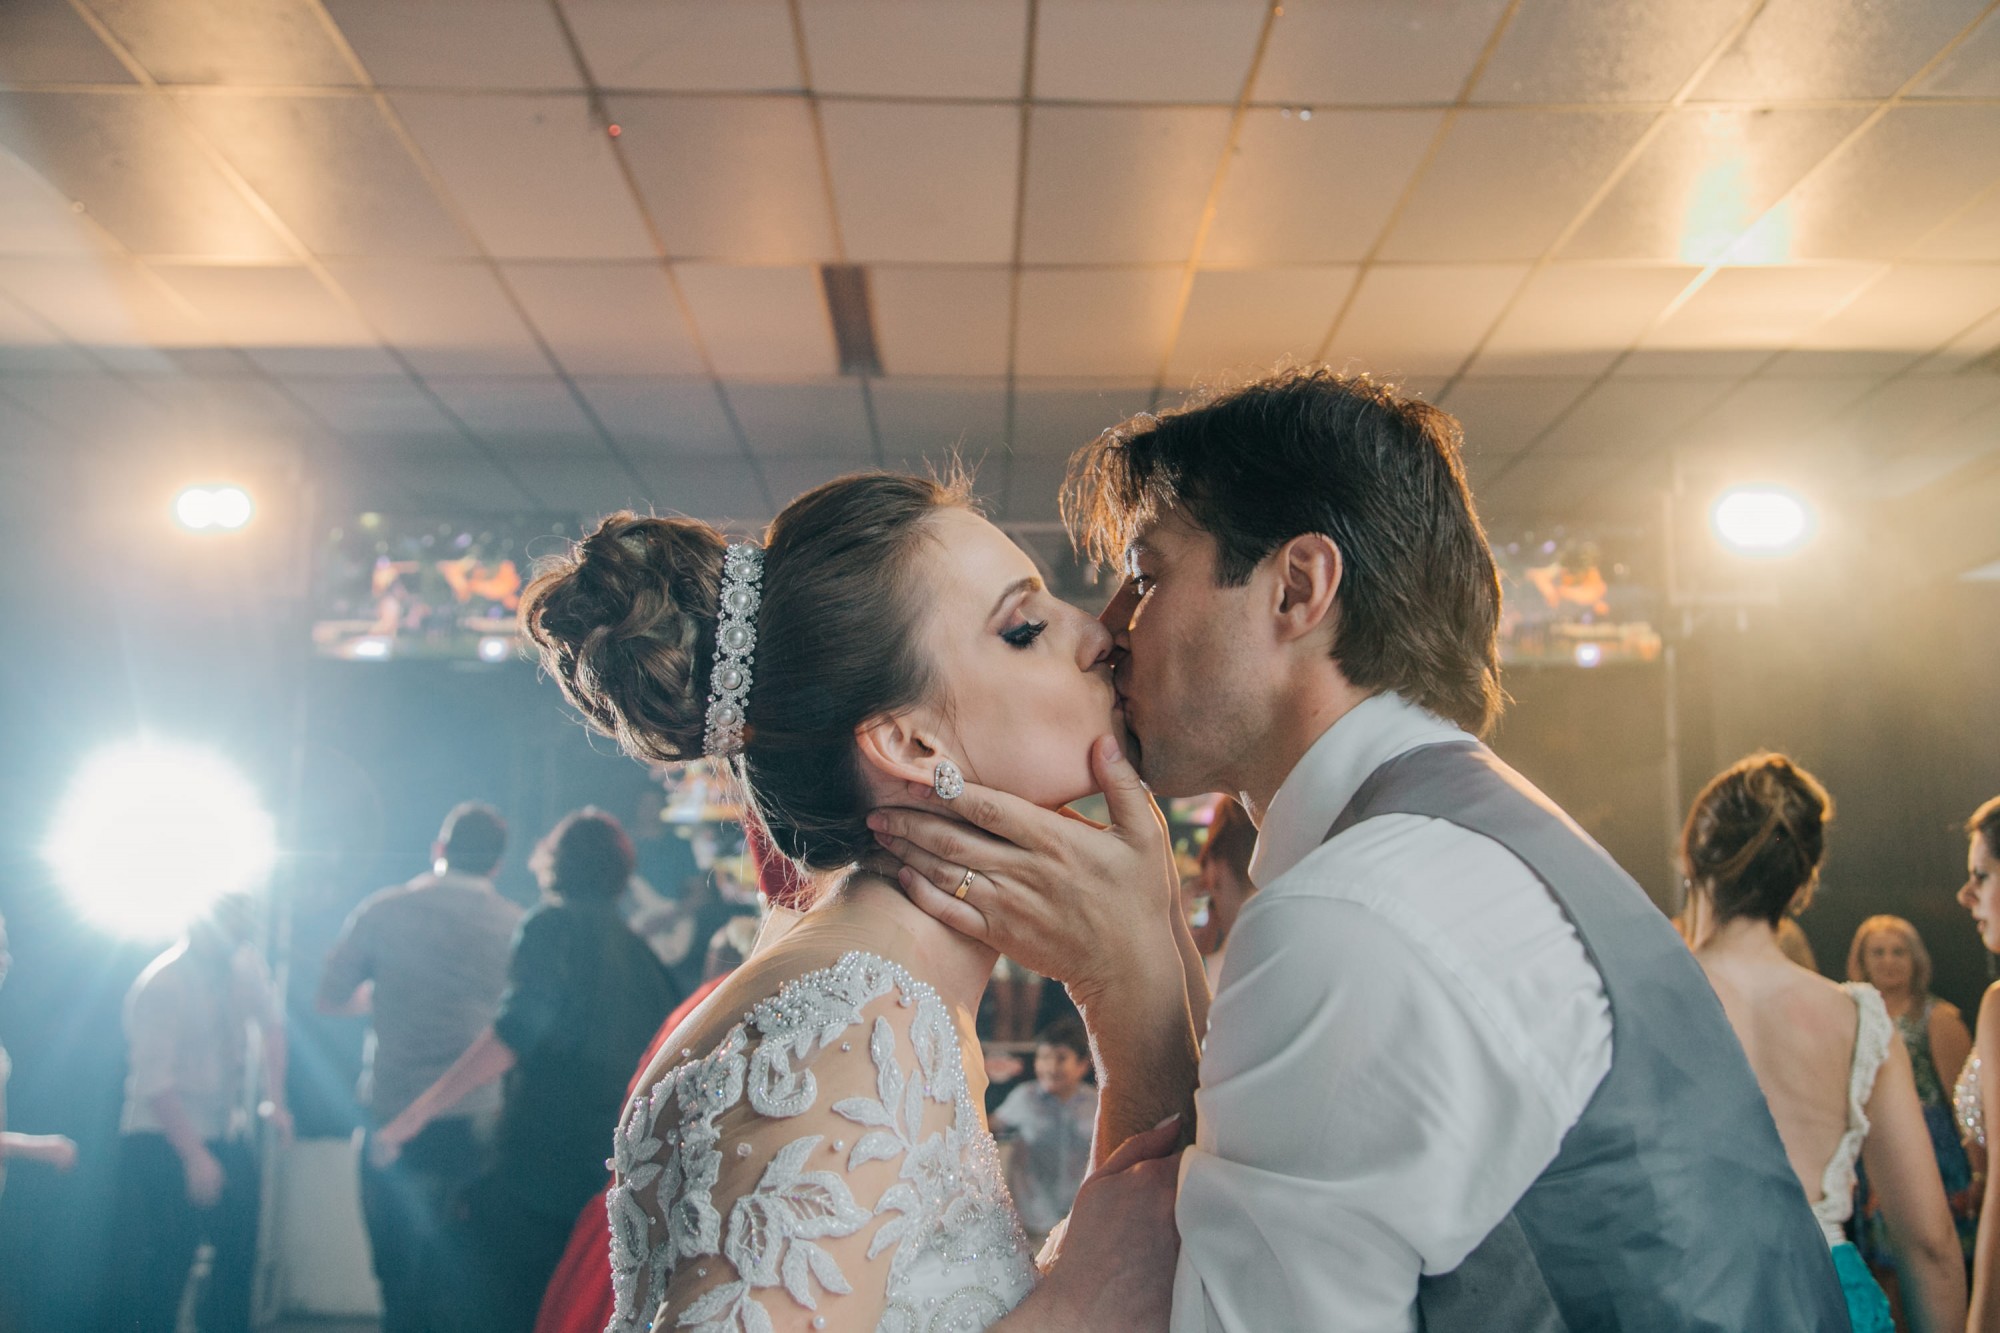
[(1406, 1028)]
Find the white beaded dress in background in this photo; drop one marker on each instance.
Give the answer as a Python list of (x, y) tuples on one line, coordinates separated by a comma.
[(1968, 1100), (824, 1165)]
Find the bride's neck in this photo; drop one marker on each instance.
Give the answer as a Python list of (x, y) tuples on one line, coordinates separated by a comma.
[(869, 905)]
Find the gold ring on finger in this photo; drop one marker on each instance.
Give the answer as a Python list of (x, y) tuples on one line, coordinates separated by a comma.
[(964, 883)]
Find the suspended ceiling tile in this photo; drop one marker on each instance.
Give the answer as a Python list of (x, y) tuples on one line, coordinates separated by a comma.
[(517, 412), (1974, 344), (729, 177), (607, 319), (1905, 415), (1575, 319), (374, 407), (1033, 490), (687, 45), (220, 42), (1971, 233), (1758, 308), (760, 322), (1422, 319), (1363, 51), (1145, 50), (448, 319), (826, 419), (1549, 488), (793, 475), (46, 41), (31, 344), (1241, 322), (1506, 182), (102, 303), (333, 171), (1110, 185), (37, 219), (1909, 173), (1705, 178), (925, 422), (1107, 323), (491, 44), (889, 48), (1913, 308), (924, 184), (1972, 69), (138, 172), (941, 320), (1772, 413), (1053, 418), (1603, 50), (1315, 191), (651, 416), (712, 489), (498, 155), (432, 483), (1501, 416), (588, 487), (266, 306), (1797, 49), (1628, 417), (98, 410)]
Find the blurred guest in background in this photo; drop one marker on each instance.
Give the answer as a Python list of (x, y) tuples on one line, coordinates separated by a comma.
[(1792, 942), (584, 998), (1049, 1123), (1980, 895), (1837, 1080), (1889, 955), (579, 1297), (427, 961), (1223, 878), (49, 1149), (187, 1167)]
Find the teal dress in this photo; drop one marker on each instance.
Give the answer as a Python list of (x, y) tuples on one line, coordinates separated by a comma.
[(1871, 1229)]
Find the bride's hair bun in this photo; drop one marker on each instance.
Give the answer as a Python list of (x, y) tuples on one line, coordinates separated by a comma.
[(625, 622)]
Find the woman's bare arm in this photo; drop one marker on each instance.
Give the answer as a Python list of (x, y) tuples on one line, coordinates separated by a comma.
[(1985, 1303), (1951, 1043)]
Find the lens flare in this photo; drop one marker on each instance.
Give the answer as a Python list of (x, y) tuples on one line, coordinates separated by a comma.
[(1761, 520), (151, 833)]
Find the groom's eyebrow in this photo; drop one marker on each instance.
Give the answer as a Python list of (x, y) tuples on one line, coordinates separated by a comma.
[(1028, 584)]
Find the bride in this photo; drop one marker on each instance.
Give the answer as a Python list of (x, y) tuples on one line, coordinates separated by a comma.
[(809, 1148)]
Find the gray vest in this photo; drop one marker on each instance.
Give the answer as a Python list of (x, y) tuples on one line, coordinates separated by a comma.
[(1670, 1205)]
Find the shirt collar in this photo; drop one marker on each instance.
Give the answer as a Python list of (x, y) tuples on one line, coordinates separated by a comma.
[(1326, 777)]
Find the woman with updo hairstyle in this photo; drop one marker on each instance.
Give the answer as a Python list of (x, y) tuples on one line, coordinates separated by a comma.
[(1833, 1071), (809, 1146), (1980, 895)]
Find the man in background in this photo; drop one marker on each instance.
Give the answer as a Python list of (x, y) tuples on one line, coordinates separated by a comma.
[(1223, 877), (427, 961), (187, 1162)]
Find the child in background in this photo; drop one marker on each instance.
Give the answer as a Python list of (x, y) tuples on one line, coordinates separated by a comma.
[(1049, 1122)]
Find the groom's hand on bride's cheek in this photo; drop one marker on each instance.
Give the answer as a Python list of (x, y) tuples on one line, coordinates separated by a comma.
[(1060, 895)]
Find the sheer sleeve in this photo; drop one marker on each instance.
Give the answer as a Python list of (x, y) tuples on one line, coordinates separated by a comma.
[(796, 1175)]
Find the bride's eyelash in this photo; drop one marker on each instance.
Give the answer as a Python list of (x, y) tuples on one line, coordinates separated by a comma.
[(1025, 633)]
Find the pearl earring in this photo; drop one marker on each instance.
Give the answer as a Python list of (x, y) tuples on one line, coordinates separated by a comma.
[(947, 781)]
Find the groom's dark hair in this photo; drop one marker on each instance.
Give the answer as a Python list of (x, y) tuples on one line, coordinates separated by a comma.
[(1309, 450)]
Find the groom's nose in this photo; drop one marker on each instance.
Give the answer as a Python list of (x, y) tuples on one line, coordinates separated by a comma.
[(1117, 613)]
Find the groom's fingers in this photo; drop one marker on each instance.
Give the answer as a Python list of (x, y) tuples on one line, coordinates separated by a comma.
[(960, 915), (1160, 1141), (945, 838), (945, 874), (1005, 816), (1132, 806)]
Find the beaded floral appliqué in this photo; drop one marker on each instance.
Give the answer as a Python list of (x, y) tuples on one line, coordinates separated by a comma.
[(958, 1258)]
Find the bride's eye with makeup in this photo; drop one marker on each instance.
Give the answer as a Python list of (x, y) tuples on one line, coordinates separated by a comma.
[(1025, 633)]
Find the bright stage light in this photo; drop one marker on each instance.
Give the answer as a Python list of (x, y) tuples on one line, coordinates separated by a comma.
[(151, 833), (1761, 520), (496, 648), (202, 508)]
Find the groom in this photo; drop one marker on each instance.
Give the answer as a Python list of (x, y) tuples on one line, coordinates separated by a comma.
[(1459, 1073)]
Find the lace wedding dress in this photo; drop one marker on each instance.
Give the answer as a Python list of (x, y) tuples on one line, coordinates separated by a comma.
[(825, 1165)]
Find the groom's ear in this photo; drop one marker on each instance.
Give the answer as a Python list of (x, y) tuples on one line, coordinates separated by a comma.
[(1308, 569), (897, 747)]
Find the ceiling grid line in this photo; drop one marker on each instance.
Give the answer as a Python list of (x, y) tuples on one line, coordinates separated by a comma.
[(1272, 12), (657, 239), (1430, 154), (1701, 279), (1010, 397)]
